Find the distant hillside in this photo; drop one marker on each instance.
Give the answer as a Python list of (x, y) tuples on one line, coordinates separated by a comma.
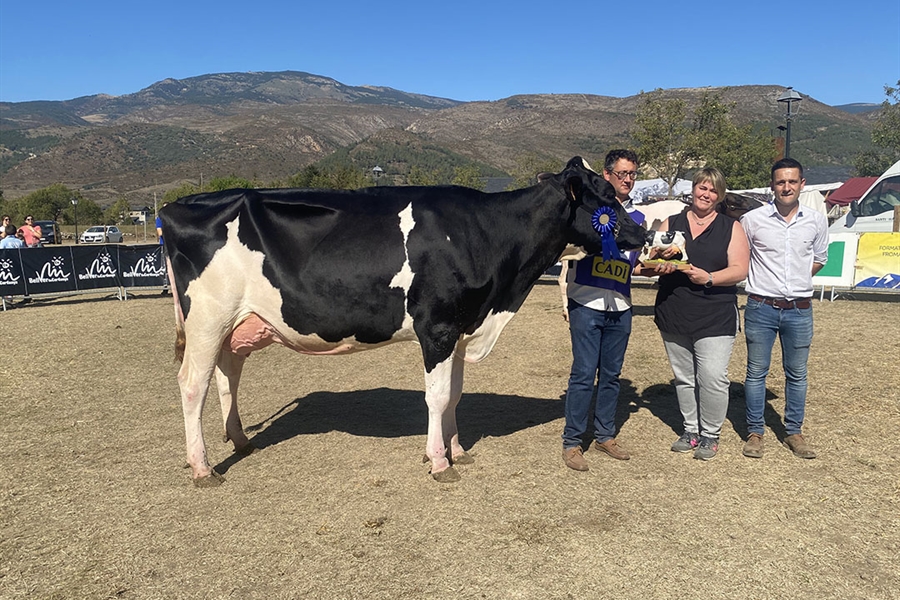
[(268, 126), (859, 107)]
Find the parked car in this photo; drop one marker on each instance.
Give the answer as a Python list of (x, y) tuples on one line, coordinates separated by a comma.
[(875, 210), (101, 234), (49, 232)]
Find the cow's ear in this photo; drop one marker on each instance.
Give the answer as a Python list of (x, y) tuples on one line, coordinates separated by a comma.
[(541, 177)]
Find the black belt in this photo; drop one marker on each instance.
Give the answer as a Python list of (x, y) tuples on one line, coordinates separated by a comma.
[(781, 302)]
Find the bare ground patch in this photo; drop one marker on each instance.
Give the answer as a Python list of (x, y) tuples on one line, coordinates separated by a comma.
[(94, 502)]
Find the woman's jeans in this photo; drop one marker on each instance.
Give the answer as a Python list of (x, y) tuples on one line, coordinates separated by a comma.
[(700, 367), (794, 327), (599, 340)]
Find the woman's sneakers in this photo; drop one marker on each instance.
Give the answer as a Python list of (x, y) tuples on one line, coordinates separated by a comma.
[(687, 442), (707, 448)]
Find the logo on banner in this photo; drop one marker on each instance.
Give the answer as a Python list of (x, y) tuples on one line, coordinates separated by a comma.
[(6, 274), (51, 272), (101, 268), (145, 267)]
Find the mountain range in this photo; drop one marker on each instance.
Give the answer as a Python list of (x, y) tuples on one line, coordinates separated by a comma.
[(267, 126)]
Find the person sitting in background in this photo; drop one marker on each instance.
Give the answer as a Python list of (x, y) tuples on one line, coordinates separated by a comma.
[(10, 239), (31, 233), (6, 223)]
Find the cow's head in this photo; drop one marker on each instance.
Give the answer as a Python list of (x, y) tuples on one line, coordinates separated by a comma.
[(737, 205), (593, 205)]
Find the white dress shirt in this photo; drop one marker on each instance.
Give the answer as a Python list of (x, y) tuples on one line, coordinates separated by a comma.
[(781, 253)]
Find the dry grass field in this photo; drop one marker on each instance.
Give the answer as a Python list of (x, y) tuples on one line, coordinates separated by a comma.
[(94, 502)]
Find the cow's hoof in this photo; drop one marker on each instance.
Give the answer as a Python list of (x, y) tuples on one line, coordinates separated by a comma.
[(446, 476), (211, 480), (463, 459), (246, 450)]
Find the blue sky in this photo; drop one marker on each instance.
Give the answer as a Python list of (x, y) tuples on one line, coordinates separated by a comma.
[(51, 50)]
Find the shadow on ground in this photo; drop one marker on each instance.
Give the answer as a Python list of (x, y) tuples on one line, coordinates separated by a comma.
[(390, 413)]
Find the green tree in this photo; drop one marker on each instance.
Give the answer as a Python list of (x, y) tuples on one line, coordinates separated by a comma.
[(885, 135), (664, 138), (185, 189), (339, 177), (743, 154), (44, 204), (117, 213), (88, 213), (468, 176), (219, 184), (419, 176), (528, 166), (673, 142)]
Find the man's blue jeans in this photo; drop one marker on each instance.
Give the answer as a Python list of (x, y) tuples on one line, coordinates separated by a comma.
[(794, 328), (599, 340)]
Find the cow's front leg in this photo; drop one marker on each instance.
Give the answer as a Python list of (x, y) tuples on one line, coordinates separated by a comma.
[(451, 433), (438, 387), (228, 377)]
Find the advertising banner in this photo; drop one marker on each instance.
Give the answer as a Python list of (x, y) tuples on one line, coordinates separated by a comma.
[(48, 270), (878, 261), (12, 279), (96, 267), (840, 269), (142, 266)]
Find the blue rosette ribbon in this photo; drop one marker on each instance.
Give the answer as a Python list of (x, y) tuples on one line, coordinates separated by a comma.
[(604, 222)]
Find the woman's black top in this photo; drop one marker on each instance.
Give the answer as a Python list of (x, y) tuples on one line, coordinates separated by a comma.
[(685, 308)]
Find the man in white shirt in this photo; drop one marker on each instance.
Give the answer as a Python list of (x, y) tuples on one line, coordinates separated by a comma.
[(788, 245)]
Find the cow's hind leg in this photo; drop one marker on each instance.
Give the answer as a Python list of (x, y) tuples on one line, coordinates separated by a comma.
[(451, 433), (228, 376), (200, 357), (438, 388)]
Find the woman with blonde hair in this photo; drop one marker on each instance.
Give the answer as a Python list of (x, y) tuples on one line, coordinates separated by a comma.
[(696, 311)]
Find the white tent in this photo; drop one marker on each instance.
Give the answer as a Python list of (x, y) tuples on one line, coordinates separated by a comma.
[(658, 187)]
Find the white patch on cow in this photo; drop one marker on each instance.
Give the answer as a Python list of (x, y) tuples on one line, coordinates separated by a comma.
[(232, 288), (476, 347), (404, 278)]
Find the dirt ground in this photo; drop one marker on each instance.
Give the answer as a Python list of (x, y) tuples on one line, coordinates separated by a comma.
[(94, 502)]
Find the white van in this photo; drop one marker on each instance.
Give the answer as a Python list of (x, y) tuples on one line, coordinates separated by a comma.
[(875, 210)]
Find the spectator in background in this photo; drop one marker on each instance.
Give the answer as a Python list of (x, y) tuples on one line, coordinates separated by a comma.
[(10, 240), (6, 223), (159, 233), (31, 233)]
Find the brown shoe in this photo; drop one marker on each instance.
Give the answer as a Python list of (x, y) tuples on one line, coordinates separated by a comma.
[(799, 446), (754, 446), (574, 458), (612, 448)]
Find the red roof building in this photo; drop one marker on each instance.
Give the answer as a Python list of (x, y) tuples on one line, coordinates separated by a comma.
[(853, 189)]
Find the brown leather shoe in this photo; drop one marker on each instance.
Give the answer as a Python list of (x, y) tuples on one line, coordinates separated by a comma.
[(799, 446), (574, 458), (612, 448), (754, 446)]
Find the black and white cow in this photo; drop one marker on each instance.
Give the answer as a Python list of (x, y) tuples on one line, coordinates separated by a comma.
[(331, 272)]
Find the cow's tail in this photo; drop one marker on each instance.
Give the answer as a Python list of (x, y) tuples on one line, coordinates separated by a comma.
[(179, 316)]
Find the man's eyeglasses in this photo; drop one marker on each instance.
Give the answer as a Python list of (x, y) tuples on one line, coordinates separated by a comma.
[(623, 175)]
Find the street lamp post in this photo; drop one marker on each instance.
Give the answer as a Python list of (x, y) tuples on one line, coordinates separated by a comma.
[(790, 95), (75, 215)]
